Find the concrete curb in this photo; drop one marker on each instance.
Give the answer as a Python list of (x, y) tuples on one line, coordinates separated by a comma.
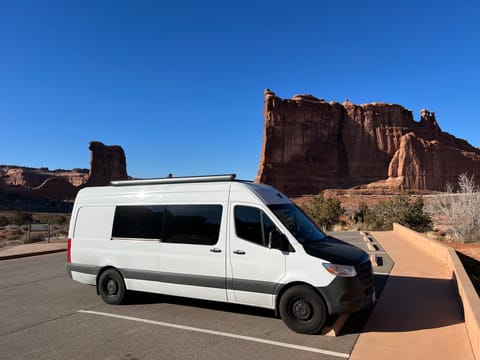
[(468, 296), (35, 253)]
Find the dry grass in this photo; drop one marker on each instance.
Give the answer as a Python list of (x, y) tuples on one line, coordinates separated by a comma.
[(18, 234)]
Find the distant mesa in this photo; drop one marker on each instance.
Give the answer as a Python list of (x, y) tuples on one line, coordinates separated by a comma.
[(31, 177), (55, 188), (310, 145), (22, 188)]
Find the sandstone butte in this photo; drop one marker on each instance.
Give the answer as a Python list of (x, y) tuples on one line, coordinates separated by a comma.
[(106, 163), (310, 145)]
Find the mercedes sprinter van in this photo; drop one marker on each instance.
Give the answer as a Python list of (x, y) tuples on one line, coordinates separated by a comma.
[(215, 238)]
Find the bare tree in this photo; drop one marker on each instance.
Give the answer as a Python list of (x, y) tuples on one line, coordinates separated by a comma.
[(460, 208)]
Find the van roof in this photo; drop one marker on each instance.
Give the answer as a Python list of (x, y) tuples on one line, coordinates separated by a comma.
[(207, 185), (175, 180)]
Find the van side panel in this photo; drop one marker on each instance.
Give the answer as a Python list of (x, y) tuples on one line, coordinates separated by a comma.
[(94, 222), (182, 269), (91, 232)]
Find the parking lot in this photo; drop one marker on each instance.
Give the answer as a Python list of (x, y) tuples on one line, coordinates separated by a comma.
[(45, 315)]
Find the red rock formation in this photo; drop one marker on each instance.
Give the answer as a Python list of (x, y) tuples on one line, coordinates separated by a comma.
[(55, 188), (76, 177), (23, 188), (310, 145), (106, 163), (22, 176), (32, 177)]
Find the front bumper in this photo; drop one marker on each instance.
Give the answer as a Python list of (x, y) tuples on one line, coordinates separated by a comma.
[(347, 295)]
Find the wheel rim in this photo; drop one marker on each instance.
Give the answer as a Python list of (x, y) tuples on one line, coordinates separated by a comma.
[(111, 287), (301, 309)]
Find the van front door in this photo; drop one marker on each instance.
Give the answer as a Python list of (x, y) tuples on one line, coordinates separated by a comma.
[(255, 270)]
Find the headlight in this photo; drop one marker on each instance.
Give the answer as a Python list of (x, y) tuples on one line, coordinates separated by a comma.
[(340, 270)]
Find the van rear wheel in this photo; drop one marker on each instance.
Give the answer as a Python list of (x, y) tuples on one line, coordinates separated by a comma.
[(302, 309), (111, 287)]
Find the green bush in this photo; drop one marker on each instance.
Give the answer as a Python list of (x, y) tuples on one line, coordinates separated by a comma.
[(4, 221), (403, 209), (33, 238), (325, 212), (21, 218), (361, 214), (59, 220)]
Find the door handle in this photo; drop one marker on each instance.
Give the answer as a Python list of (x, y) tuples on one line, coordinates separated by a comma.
[(216, 250), (239, 252)]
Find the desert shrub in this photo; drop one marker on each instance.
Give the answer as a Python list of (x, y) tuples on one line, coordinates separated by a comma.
[(4, 221), (325, 212), (403, 209), (461, 208), (34, 237), (21, 218), (59, 231), (338, 227), (360, 214), (59, 220)]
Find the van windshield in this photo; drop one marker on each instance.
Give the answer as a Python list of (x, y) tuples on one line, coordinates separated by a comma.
[(298, 223)]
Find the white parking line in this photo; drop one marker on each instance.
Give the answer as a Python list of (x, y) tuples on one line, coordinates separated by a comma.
[(219, 333)]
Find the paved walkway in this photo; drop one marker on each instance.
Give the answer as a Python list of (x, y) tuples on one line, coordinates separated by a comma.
[(39, 248), (418, 315)]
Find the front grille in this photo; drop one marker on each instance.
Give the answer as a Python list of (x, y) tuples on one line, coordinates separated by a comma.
[(365, 272)]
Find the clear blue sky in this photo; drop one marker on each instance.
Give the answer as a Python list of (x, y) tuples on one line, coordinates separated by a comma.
[(179, 84)]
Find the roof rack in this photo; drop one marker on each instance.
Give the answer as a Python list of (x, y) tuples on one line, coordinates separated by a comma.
[(175, 180)]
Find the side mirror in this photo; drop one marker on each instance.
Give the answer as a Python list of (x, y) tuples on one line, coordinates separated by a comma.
[(276, 240)]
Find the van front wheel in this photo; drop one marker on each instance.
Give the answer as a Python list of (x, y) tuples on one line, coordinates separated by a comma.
[(111, 287), (303, 310)]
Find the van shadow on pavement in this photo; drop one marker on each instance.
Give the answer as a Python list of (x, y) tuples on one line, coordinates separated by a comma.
[(141, 298), (354, 324)]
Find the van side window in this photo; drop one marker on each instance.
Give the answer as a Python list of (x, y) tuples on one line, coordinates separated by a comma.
[(253, 224), (187, 224), (192, 224), (138, 222)]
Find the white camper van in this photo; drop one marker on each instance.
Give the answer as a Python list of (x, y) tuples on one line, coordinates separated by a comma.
[(214, 238)]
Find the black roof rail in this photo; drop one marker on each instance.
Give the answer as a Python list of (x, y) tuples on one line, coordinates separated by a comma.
[(175, 180)]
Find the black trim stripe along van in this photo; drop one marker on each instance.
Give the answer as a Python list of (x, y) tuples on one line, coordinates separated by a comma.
[(215, 238)]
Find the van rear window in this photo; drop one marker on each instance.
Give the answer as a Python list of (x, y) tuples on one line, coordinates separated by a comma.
[(186, 224)]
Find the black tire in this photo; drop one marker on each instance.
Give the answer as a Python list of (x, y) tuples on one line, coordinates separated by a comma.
[(111, 287), (302, 309)]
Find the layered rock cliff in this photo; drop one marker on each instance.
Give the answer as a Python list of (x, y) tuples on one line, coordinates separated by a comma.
[(32, 177), (310, 145), (25, 188)]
